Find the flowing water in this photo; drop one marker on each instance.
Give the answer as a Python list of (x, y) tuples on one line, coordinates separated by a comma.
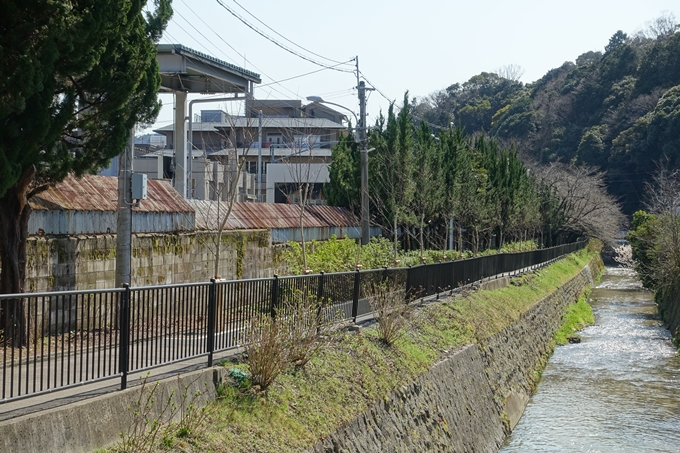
[(616, 391)]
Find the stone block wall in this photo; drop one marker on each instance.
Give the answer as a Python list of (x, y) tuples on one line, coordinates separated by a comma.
[(89, 262), (668, 301)]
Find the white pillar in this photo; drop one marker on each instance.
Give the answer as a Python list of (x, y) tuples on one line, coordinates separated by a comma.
[(180, 138)]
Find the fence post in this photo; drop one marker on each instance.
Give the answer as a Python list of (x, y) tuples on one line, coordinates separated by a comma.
[(124, 340), (275, 295), (355, 296), (407, 290), (319, 291), (212, 315)]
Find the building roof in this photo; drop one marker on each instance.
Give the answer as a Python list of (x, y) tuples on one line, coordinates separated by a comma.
[(186, 70), (275, 103), (301, 124), (321, 106), (212, 61), (100, 193), (245, 216)]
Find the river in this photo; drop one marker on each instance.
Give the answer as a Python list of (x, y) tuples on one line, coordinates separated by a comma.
[(616, 391)]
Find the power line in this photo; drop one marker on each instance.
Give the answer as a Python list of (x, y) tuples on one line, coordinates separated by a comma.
[(279, 34), (301, 75), (231, 47), (393, 102), (272, 40), (269, 84), (239, 54)]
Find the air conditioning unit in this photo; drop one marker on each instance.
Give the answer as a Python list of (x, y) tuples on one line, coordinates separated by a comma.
[(139, 186)]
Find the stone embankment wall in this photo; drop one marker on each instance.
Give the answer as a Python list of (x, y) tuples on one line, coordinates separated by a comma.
[(469, 401), (89, 262), (669, 308)]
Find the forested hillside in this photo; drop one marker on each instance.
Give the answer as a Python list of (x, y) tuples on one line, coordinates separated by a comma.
[(617, 110)]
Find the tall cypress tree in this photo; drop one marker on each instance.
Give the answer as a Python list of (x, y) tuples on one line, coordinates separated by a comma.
[(76, 77), (391, 169)]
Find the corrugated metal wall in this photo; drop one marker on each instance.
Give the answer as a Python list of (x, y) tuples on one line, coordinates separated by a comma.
[(87, 206), (104, 222)]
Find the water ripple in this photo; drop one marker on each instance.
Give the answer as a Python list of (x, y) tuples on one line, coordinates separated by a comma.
[(617, 390)]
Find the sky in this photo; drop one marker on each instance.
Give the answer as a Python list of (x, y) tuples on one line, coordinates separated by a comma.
[(420, 47)]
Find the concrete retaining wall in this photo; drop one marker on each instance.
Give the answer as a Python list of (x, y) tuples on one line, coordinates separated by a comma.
[(94, 423), (469, 400), (89, 262)]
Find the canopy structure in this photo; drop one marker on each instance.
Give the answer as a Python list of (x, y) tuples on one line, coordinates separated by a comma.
[(184, 70)]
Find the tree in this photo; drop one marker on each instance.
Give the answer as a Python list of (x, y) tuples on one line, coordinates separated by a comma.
[(662, 27), (304, 174), (76, 77), (615, 41), (391, 169), (428, 178), (582, 206), (655, 236), (344, 173), (227, 172), (590, 57), (512, 72)]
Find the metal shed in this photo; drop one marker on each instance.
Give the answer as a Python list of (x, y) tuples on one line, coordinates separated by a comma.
[(319, 222), (88, 205)]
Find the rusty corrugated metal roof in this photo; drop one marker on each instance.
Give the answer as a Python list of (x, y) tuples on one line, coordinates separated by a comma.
[(246, 216), (100, 193)]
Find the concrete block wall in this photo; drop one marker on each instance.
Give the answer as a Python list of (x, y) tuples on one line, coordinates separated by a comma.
[(89, 262)]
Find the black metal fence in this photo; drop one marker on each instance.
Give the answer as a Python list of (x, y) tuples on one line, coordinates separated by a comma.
[(61, 339)]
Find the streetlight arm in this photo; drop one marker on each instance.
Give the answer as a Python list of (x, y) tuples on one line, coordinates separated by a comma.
[(321, 101)]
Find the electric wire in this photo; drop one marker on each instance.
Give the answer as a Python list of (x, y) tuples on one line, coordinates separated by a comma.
[(287, 129), (272, 40), (277, 82), (280, 35)]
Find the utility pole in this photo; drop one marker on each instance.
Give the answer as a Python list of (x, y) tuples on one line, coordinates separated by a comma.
[(259, 157), (124, 218), (361, 127), (365, 232)]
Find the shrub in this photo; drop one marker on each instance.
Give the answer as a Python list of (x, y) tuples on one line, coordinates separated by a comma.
[(308, 326), (391, 310), (265, 346)]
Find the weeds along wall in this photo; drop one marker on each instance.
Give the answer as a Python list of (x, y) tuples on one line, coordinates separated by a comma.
[(89, 262)]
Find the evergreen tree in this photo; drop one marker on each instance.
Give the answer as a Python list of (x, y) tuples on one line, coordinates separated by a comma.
[(428, 178), (344, 171), (76, 77), (391, 181)]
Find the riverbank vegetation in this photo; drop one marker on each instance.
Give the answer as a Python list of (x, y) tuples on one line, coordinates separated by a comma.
[(655, 241), (578, 316), (355, 369)]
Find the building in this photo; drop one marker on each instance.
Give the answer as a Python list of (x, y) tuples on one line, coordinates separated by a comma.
[(296, 148)]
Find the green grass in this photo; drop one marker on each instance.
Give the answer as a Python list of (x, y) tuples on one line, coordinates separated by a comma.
[(578, 316), (356, 370)]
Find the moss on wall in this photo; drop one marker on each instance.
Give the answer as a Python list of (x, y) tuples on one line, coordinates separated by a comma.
[(156, 259)]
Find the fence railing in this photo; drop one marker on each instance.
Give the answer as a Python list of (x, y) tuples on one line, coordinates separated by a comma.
[(56, 340)]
